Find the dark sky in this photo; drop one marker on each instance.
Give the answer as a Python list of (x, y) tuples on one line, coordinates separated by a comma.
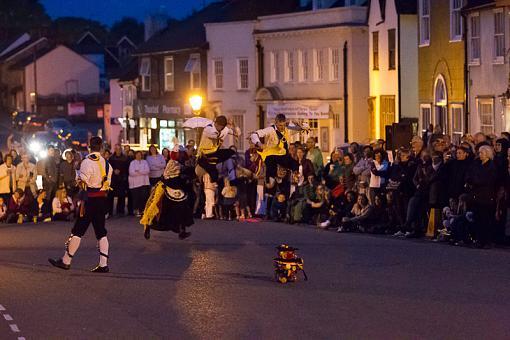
[(109, 11)]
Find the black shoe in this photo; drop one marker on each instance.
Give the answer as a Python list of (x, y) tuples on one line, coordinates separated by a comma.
[(184, 234), (59, 264), (147, 233), (99, 269)]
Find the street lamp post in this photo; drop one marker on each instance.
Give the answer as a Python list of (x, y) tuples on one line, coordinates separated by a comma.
[(196, 104)]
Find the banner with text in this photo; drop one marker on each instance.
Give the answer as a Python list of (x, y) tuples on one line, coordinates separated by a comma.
[(298, 111)]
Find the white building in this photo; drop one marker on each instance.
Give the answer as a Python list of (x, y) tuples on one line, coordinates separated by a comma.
[(393, 28), (232, 80), (487, 52), (302, 56)]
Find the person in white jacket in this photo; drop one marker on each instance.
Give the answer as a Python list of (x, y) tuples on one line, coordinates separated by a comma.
[(26, 175), (7, 178), (62, 206), (139, 184)]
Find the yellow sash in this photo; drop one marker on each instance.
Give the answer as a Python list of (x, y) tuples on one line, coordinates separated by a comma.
[(278, 150)]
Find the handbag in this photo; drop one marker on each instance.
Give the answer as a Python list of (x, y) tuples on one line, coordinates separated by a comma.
[(338, 191)]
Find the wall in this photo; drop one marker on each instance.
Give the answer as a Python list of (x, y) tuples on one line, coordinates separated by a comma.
[(409, 66), (56, 68), (115, 111), (240, 43)]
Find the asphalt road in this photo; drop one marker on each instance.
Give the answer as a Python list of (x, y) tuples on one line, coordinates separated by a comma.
[(219, 284)]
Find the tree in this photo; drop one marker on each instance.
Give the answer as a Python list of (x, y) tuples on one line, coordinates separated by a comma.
[(68, 30), (19, 16), (129, 27)]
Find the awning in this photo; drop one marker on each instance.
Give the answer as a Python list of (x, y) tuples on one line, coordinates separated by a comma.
[(299, 111)]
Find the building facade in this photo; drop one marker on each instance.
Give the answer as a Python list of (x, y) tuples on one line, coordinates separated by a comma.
[(393, 64), (486, 43), (314, 69), (232, 69), (441, 56)]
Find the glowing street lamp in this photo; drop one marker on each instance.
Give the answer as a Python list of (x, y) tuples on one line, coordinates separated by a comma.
[(196, 103)]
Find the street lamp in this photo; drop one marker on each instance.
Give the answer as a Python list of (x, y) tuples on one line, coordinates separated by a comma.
[(196, 103)]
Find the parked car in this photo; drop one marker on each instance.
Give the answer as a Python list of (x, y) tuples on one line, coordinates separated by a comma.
[(33, 123), (19, 118), (58, 125)]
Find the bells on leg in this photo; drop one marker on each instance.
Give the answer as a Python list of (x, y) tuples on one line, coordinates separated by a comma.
[(103, 247)]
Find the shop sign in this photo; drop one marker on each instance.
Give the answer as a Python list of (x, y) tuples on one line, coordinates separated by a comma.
[(157, 109), (298, 111), (77, 108)]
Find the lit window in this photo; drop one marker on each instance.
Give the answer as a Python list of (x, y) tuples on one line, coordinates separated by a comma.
[(145, 73)]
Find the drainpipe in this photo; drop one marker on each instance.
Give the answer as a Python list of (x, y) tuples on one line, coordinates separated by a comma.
[(260, 79), (466, 75), (346, 97), (399, 70)]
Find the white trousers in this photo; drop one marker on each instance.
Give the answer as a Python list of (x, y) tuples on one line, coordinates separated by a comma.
[(210, 201)]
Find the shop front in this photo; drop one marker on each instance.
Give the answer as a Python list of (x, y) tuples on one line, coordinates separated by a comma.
[(162, 125)]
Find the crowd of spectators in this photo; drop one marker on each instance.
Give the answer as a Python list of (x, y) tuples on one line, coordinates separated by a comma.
[(456, 192)]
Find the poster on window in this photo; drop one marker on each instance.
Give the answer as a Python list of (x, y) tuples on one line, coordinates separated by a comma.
[(324, 139), (298, 111)]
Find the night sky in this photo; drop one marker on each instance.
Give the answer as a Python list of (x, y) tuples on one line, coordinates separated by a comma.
[(109, 11)]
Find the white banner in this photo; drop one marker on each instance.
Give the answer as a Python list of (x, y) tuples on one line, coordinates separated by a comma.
[(298, 111)]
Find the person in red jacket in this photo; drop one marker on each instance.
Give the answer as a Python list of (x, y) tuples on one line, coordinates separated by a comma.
[(18, 208)]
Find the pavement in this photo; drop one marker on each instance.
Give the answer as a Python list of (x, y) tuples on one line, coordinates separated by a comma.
[(219, 284)]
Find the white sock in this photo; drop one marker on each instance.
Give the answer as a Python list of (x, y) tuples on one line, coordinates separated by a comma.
[(103, 247), (72, 246)]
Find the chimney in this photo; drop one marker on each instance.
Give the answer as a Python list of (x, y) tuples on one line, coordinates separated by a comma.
[(154, 24)]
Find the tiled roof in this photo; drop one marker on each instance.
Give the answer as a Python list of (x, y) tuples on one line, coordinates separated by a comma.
[(190, 32)]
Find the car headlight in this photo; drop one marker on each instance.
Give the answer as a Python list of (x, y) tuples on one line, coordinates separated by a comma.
[(35, 147), (43, 154)]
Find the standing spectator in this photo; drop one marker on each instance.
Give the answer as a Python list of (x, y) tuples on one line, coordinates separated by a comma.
[(26, 175), (481, 178), (379, 172), (131, 156), (347, 178), (120, 166), (363, 168), (156, 163), (19, 207), (16, 159), (314, 154), (210, 191), (229, 200), (457, 169), (166, 154), (139, 184), (50, 178), (417, 147), (7, 178), (305, 167), (356, 152), (333, 170), (107, 154), (67, 174), (438, 193), (62, 206)]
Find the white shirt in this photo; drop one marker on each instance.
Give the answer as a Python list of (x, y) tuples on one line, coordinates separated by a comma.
[(90, 172), (138, 173), (212, 139), (4, 179), (57, 206)]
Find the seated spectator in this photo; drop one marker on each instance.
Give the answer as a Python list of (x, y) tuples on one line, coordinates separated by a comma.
[(3, 210), (339, 208), (41, 207), (377, 223), (361, 212), (317, 207), (19, 207), (63, 209), (333, 170), (296, 202), (279, 207)]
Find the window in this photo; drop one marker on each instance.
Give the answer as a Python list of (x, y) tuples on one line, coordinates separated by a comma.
[(499, 36), (194, 68), (457, 122), (486, 115), (375, 50), (387, 114), (474, 39), (218, 74), (318, 65), (455, 20), (242, 79), (145, 72), (336, 121), (425, 116), (392, 55), (275, 69), (169, 73), (289, 66), (303, 66), (334, 69), (424, 22)]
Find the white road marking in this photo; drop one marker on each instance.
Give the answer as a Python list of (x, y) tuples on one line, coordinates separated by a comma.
[(14, 328), (7, 317), (2, 307)]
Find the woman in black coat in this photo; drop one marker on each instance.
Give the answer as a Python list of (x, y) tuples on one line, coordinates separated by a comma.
[(457, 171), (482, 179)]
